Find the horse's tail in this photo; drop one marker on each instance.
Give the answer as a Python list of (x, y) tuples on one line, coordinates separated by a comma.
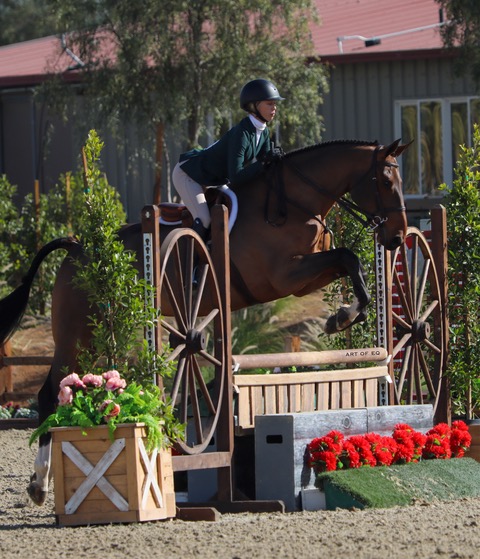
[(13, 306)]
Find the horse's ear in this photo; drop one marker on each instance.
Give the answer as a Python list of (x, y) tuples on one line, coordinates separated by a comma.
[(396, 149)]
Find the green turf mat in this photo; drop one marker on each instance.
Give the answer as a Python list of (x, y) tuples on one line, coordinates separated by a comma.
[(384, 487)]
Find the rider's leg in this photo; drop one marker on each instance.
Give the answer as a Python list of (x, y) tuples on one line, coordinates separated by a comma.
[(193, 197)]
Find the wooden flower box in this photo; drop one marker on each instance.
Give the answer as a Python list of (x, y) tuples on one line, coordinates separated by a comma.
[(98, 481)]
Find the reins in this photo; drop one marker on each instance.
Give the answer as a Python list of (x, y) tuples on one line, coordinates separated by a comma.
[(371, 220)]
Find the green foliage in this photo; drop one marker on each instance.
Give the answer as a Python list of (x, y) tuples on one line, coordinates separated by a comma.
[(462, 32), (180, 61), (254, 330), (23, 231), (463, 229), (10, 244), (92, 401), (118, 318), (23, 20), (109, 277)]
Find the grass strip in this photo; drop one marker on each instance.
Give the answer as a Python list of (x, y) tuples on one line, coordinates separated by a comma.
[(399, 485)]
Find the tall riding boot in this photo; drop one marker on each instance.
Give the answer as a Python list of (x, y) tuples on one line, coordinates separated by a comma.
[(200, 229), (203, 233)]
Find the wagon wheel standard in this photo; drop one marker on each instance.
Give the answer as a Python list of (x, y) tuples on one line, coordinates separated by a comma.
[(418, 328), (190, 291)]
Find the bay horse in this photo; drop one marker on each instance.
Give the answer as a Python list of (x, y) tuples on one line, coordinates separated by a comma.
[(278, 247)]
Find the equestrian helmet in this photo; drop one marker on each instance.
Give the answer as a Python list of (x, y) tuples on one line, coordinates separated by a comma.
[(258, 90)]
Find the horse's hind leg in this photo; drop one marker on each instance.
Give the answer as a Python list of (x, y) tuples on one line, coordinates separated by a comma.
[(38, 487), (356, 312)]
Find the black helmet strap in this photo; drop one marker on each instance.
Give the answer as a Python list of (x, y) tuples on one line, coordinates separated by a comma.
[(257, 112)]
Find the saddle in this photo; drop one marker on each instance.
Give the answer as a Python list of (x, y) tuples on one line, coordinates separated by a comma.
[(173, 214)]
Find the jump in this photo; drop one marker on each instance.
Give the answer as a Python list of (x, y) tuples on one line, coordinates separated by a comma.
[(279, 246)]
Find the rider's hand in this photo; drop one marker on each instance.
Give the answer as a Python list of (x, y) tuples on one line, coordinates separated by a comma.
[(274, 155)]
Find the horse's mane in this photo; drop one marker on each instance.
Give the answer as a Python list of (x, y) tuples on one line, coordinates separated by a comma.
[(332, 143)]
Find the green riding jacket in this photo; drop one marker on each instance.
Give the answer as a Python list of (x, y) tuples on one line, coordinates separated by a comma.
[(235, 158)]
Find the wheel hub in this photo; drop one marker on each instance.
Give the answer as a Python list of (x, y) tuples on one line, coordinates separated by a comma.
[(420, 330), (195, 341)]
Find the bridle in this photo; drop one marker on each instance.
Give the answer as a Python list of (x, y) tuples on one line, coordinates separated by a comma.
[(368, 219)]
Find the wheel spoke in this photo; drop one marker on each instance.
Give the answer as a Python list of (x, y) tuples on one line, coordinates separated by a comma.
[(402, 295), (401, 322), (426, 373), (196, 416), (185, 390), (418, 380), (210, 358), (178, 378), (203, 388), (406, 282), (200, 290), (413, 274), (178, 313), (428, 311), (422, 285), (403, 372), (206, 321), (433, 347), (401, 343)]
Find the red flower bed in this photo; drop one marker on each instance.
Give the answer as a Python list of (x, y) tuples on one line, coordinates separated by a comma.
[(334, 451)]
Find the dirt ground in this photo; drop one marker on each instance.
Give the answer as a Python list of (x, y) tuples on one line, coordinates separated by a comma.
[(443, 529)]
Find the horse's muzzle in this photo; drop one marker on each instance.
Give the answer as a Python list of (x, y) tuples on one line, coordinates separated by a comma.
[(395, 242)]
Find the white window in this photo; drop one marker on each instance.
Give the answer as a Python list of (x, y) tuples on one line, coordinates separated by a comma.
[(438, 127)]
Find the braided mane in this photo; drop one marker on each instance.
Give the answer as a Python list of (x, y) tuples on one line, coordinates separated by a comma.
[(332, 143)]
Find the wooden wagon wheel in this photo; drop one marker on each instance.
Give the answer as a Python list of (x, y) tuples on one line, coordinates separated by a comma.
[(418, 327), (190, 291)]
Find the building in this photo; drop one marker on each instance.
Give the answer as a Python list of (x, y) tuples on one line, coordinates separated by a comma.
[(389, 78)]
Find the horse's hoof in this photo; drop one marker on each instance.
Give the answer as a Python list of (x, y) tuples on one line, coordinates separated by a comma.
[(36, 493)]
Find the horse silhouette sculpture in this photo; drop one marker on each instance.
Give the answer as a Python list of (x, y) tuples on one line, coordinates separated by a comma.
[(279, 246)]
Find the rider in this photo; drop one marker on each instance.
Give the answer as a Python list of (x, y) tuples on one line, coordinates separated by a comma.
[(237, 157)]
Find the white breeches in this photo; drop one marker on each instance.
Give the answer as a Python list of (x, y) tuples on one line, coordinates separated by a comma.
[(192, 195)]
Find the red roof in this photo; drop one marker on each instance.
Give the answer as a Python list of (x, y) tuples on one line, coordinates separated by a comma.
[(406, 25), (401, 26)]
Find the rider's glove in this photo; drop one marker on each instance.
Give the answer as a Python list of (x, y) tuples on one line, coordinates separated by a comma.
[(272, 156)]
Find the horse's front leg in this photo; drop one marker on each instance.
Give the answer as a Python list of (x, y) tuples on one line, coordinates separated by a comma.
[(351, 314), (317, 270)]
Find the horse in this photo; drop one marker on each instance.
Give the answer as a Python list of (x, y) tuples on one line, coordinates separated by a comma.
[(279, 246)]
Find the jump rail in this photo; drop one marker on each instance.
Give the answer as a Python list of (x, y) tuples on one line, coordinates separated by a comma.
[(279, 393)]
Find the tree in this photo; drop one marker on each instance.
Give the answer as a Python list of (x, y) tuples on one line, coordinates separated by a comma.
[(172, 62), (462, 31), (463, 228), (23, 20)]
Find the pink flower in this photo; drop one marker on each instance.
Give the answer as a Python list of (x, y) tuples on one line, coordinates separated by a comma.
[(65, 396), (115, 383), (92, 380), (72, 380), (111, 374), (113, 409)]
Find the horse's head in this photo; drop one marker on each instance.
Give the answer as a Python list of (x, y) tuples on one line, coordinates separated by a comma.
[(380, 195)]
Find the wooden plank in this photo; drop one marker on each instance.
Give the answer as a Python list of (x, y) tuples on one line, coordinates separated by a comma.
[(322, 395), (204, 461), (311, 376), (371, 393), (310, 358)]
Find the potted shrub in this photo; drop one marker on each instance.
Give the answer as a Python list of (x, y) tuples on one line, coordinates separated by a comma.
[(113, 427)]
